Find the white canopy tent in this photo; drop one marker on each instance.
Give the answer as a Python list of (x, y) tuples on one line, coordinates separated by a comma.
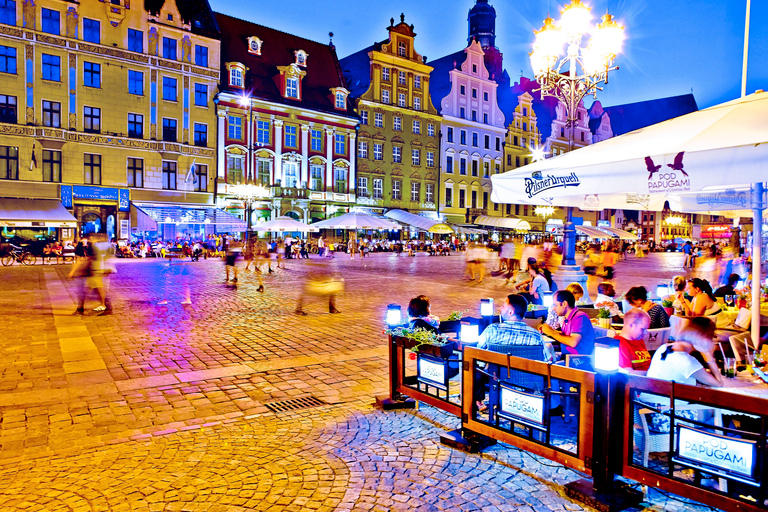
[(420, 222), (623, 235), (284, 224), (593, 232), (698, 162), (502, 222), (356, 220)]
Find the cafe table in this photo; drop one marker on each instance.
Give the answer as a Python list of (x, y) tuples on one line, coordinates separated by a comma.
[(746, 383)]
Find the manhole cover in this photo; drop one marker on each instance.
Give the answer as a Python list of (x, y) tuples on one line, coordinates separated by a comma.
[(295, 404)]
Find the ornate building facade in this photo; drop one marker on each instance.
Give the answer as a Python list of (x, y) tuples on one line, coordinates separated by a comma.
[(108, 103), (398, 146), (285, 122)]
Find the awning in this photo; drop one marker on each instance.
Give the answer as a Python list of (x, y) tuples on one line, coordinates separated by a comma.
[(464, 229), (503, 222), (164, 213), (35, 213), (593, 232), (623, 235), (418, 221), (141, 221)]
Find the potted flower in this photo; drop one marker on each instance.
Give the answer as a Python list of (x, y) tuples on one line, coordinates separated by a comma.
[(603, 314), (668, 306)]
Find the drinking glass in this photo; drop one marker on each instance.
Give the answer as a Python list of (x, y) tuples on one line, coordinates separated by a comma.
[(730, 300), (729, 365)]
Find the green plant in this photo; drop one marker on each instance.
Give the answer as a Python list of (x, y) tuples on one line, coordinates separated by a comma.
[(456, 315), (603, 313), (421, 336), (667, 303)]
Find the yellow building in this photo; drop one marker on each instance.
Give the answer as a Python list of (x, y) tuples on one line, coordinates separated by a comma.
[(105, 105), (398, 141)]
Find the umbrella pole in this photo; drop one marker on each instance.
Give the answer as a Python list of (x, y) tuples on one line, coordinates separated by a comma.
[(757, 241)]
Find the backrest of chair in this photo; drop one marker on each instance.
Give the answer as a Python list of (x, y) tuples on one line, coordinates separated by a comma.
[(591, 312), (533, 322), (535, 352), (655, 338), (740, 343), (423, 324), (517, 377)]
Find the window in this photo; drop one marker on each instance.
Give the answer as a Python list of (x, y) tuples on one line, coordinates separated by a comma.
[(430, 158), (290, 174), (7, 14), (462, 113), (263, 170), (364, 117), (487, 142), (417, 127), (485, 118), (474, 139), (474, 115), (463, 166), (517, 161), (169, 130), (397, 154), (378, 188), (7, 109), (448, 197), (509, 159), (362, 186), (378, 151), (52, 166), (9, 163), (262, 132), (524, 142), (401, 49), (289, 138), (562, 132), (474, 167), (474, 68), (431, 130), (417, 103), (582, 136), (169, 88), (486, 168), (316, 140), (341, 102), (91, 119), (51, 23), (340, 180), (8, 60), (485, 96), (316, 177), (378, 120), (415, 192), (398, 123), (464, 137), (169, 175), (51, 67), (385, 74), (462, 90), (235, 169), (415, 157), (201, 56), (340, 148), (135, 40), (169, 48), (396, 192), (292, 88), (235, 127), (91, 31), (362, 150), (201, 95), (498, 144), (401, 78), (201, 135), (417, 82), (385, 96), (449, 165), (91, 74), (401, 99), (525, 112), (462, 198), (135, 82), (429, 193), (52, 114), (92, 169), (449, 135), (515, 140), (474, 92), (201, 178), (135, 172), (474, 199), (236, 77)]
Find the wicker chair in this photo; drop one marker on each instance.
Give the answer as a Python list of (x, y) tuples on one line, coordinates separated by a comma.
[(515, 377)]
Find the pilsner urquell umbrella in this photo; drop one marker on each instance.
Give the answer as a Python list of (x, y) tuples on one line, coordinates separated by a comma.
[(355, 220), (708, 160)]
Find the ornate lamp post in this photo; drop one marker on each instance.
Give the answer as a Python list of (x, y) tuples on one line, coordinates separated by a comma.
[(248, 193), (578, 73), (545, 212)]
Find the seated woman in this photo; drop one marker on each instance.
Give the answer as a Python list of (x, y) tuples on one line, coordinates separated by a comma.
[(703, 302), (678, 283), (637, 296), (555, 321), (418, 313), (533, 291)]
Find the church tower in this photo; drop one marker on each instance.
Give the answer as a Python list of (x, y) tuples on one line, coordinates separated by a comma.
[(482, 27)]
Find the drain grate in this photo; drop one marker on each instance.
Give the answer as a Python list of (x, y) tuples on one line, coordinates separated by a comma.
[(295, 404)]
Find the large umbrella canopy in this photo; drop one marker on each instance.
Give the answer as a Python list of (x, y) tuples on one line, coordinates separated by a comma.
[(701, 156), (284, 224), (420, 222), (355, 220)]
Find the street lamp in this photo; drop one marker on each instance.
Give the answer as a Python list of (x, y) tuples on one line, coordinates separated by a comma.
[(248, 193), (545, 212), (587, 68)]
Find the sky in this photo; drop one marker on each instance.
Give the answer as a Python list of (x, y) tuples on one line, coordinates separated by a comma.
[(671, 46)]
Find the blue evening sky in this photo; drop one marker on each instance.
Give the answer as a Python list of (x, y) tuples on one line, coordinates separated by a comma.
[(672, 46)]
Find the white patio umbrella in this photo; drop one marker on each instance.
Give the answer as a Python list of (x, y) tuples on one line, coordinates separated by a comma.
[(711, 160), (355, 220), (284, 224)]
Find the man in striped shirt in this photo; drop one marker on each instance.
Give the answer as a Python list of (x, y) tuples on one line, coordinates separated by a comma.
[(513, 330)]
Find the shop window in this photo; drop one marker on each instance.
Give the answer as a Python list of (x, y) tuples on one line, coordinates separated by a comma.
[(169, 175), (135, 172)]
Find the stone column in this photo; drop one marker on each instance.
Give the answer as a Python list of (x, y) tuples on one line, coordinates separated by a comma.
[(278, 171), (304, 176)]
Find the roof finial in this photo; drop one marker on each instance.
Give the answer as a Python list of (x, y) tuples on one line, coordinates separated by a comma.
[(330, 43), (391, 21), (402, 17)]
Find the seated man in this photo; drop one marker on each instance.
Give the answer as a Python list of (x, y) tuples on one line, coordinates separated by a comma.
[(632, 351), (728, 288), (577, 335)]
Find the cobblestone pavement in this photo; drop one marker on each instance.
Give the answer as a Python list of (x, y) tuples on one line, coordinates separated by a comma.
[(163, 404)]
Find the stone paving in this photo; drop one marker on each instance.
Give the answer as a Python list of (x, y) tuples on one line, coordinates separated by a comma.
[(163, 404)]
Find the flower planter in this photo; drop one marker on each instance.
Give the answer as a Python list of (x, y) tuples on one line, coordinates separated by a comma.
[(605, 323), (670, 311)]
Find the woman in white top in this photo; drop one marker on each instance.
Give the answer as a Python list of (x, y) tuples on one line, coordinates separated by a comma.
[(703, 301)]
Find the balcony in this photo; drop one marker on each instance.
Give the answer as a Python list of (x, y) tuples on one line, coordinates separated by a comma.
[(291, 192)]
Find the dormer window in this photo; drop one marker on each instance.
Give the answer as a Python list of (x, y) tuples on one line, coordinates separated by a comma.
[(401, 49), (291, 77), (301, 58), (254, 45), (292, 88), (340, 98), (236, 73)]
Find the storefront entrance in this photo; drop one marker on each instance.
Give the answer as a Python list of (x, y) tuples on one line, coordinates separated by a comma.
[(97, 219)]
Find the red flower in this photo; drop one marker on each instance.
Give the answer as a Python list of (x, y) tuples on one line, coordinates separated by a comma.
[(412, 356)]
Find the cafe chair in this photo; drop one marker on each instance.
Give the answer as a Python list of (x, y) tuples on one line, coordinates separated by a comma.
[(521, 379), (655, 338), (742, 344), (580, 362)]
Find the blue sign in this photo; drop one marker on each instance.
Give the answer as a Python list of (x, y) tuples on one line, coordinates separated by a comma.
[(86, 192), (65, 191), (125, 200)]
